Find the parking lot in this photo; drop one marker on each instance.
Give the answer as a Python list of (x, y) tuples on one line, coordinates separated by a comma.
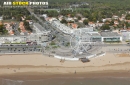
[(20, 48)]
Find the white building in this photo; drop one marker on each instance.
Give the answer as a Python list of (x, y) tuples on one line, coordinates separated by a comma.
[(13, 39), (115, 17), (87, 29), (125, 35), (92, 24), (86, 32), (99, 24), (45, 15), (40, 38), (62, 27), (1, 18), (111, 37)]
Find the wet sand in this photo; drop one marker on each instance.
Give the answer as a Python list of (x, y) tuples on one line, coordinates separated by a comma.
[(92, 78)]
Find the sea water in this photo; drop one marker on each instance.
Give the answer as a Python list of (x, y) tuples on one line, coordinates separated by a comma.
[(70, 81)]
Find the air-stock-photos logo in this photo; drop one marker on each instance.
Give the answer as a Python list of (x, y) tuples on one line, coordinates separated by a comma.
[(25, 3)]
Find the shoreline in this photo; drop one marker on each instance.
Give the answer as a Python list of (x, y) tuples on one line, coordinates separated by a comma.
[(40, 76)]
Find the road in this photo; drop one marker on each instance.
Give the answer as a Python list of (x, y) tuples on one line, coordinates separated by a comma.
[(45, 24), (16, 26), (20, 48), (116, 45)]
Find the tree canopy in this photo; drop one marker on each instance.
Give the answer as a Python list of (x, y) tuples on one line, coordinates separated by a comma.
[(128, 16), (105, 27), (3, 30), (85, 22)]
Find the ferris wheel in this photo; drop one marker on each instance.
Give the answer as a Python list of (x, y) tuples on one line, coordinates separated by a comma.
[(80, 42)]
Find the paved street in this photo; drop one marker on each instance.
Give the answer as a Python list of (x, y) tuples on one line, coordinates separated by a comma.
[(20, 48), (16, 26)]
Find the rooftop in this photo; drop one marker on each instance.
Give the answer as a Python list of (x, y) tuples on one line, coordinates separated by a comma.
[(95, 35), (109, 34), (61, 26)]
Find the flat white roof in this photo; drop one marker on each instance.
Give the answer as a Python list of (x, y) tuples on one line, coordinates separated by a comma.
[(110, 34)]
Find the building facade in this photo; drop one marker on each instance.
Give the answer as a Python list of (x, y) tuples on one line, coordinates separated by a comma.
[(111, 37)]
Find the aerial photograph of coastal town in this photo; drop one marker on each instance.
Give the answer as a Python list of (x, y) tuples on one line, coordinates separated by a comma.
[(64, 42)]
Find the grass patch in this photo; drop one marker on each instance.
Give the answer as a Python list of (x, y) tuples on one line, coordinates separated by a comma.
[(127, 41), (9, 20), (16, 43)]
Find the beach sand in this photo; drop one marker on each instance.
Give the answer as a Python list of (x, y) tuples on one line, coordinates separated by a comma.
[(38, 65)]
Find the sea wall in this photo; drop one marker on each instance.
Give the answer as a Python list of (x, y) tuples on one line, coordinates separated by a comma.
[(76, 59), (66, 58)]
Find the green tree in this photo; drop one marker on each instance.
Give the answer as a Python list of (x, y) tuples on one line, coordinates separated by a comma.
[(27, 26), (72, 15), (63, 21), (90, 18), (105, 27), (28, 18), (79, 18), (112, 22), (128, 17), (127, 25), (85, 22), (3, 30)]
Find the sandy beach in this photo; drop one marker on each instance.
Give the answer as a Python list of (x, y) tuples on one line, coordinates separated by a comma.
[(38, 64)]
